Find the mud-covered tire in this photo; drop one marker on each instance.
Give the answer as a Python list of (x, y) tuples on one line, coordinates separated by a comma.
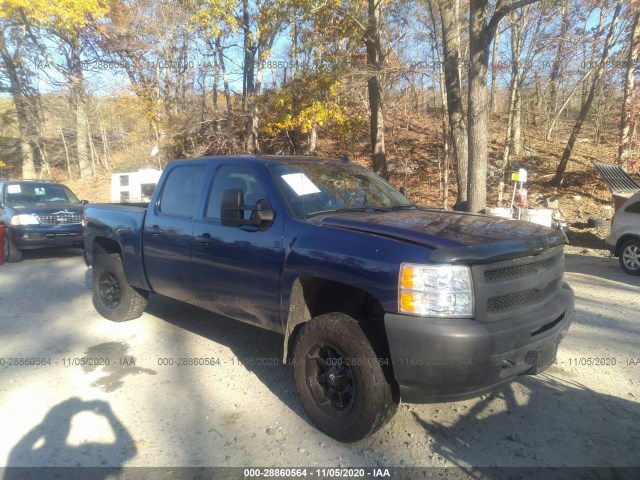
[(11, 253), (630, 256), (113, 298), (357, 400)]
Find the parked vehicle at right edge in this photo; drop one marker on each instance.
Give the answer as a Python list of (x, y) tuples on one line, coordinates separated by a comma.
[(378, 299), (624, 239)]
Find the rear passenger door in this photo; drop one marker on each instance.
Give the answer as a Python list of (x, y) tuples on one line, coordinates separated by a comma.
[(168, 232), (236, 270)]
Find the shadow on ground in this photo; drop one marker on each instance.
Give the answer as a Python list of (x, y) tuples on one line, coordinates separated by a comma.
[(256, 349), (47, 444)]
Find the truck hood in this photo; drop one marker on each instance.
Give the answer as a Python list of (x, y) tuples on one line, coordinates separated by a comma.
[(455, 236), (47, 208)]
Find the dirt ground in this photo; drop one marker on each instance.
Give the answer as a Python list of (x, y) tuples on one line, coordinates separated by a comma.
[(242, 410)]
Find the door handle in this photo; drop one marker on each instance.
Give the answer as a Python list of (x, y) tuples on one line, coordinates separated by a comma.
[(155, 231)]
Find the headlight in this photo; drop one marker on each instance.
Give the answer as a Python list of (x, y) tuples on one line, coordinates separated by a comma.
[(436, 291), (24, 220)]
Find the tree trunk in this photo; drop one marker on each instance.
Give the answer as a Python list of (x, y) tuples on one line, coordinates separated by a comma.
[(515, 108), (374, 87), (455, 111), (554, 76), (22, 110), (494, 70), (225, 79), (481, 32), (79, 100), (66, 152), (214, 91), (477, 111), (555, 119), (248, 88), (446, 130), (629, 84), (558, 179), (506, 153), (249, 55), (254, 108), (313, 139)]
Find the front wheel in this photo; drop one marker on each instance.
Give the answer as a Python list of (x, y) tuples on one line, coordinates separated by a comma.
[(9, 250), (113, 298), (630, 257), (339, 378)]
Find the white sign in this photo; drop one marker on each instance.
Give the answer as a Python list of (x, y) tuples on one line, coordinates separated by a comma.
[(300, 184), (522, 175), (14, 189)]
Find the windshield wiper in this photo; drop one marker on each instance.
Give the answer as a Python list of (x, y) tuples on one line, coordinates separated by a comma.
[(403, 207), (350, 209)]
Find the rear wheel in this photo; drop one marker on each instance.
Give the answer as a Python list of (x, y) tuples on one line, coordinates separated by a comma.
[(339, 378), (11, 253), (113, 298), (630, 257)]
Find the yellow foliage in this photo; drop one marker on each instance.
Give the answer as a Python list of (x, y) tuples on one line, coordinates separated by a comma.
[(2, 164), (310, 111), (64, 15), (214, 15)]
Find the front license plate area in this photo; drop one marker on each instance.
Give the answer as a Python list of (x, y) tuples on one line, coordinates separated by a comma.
[(541, 358)]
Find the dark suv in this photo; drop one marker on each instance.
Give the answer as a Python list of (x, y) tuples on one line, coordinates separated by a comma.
[(38, 214)]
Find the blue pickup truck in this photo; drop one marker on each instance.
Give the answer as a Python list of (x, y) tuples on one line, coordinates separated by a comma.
[(378, 299)]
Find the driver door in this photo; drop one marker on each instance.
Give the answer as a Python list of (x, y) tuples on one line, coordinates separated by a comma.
[(236, 270)]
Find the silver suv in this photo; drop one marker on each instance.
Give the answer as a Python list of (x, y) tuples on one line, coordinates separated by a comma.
[(624, 240)]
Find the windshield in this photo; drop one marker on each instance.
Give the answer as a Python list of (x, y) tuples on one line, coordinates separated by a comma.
[(311, 188), (24, 193)]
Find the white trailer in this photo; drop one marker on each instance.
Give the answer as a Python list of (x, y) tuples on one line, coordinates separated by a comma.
[(134, 186)]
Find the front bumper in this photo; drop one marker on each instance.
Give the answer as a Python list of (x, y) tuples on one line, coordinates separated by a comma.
[(26, 237), (443, 359)]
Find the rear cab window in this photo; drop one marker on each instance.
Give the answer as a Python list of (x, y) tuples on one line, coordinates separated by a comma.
[(181, 193)]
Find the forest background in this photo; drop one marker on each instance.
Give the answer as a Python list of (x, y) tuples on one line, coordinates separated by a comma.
[(443, 97)]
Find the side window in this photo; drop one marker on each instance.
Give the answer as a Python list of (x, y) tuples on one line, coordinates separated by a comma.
[(633, 208), (181, 191), (233, 177)]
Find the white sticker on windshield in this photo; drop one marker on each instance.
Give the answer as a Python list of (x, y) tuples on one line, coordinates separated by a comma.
[(39, 191), (14, 189), (300, 184)]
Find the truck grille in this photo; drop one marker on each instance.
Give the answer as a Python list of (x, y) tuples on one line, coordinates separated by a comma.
[(60, 219), (509, 272), (518, 285), (520, 299)]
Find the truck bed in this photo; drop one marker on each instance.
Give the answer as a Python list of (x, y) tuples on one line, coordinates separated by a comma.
[(123, 225)]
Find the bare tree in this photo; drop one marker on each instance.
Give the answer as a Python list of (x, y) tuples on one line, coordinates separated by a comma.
[(375, 60), (451, 46), (482, 29), (626, 127), (555, 74), (558, 178), (12, 66)]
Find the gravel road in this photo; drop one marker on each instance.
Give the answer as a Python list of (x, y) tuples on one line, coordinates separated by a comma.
[(151, 406)]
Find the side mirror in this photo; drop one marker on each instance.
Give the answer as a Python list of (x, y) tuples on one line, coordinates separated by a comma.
[(231, 209), (403, 191), (84, 202)]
